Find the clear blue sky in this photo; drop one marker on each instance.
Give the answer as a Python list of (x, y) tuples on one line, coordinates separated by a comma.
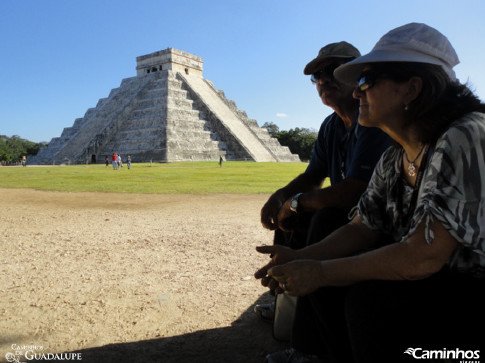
[(59, 57)]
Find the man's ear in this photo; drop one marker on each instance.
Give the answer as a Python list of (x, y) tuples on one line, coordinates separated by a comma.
[(415, 86)]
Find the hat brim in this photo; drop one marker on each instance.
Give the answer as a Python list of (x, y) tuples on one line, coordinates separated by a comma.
[(315, 65), (350, 72)]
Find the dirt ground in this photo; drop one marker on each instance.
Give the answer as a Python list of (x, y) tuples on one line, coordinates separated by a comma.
[(132, 278)]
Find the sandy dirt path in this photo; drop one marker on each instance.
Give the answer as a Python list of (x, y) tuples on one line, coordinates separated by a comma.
[(132, 278)]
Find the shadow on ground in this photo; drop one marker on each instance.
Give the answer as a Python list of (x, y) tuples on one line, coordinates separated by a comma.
[(247, 340)]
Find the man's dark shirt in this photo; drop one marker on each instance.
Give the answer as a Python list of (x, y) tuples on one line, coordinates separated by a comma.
[(340, 153)]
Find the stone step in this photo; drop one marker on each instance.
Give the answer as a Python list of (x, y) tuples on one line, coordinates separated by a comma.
[(253, 123), (195, 156), (165, 102), (157, 93), (101, 102), (150, 112), (171, 83), (78, 123), (272, 142), (177, 125), (180, 103), (261, 133), (178, 93), (183, 123), (126, 146), (141, 134), (143, 124), (189, 134), (192, 144), (178, 113), (149, 121), (89, 113)]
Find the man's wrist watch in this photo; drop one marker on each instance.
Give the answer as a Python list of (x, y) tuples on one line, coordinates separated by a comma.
[(294, 202)]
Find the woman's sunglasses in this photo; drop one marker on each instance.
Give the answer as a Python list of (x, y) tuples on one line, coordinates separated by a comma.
[(368, 79), (326, 71)]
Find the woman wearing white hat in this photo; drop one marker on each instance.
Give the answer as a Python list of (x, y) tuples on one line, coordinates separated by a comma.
[(405, 279)]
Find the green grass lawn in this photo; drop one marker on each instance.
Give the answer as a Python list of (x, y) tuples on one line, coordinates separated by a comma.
[(173, 178)]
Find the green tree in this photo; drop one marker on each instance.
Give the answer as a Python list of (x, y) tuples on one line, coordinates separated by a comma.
[(13, 148), (299, 140), (272, 128), (4, 150)]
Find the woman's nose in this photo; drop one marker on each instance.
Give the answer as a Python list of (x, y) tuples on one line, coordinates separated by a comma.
[(357, 93)]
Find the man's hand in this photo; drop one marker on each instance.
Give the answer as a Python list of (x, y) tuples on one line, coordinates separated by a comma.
[(269, 212), (283, 215), (279, 255)]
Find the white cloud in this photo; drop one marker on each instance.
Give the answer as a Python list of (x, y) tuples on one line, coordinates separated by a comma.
[(280, 114)]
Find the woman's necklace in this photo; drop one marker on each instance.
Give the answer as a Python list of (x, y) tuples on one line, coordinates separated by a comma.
[(411, 166), (414, 197)]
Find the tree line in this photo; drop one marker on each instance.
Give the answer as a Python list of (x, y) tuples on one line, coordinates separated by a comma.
[(299, 140), (12, 149)]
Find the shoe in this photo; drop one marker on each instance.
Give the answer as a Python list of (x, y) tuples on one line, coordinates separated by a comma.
[(291, 356), (265, 311)]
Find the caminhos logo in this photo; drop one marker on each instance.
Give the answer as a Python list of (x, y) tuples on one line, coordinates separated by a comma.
[(465, 356)]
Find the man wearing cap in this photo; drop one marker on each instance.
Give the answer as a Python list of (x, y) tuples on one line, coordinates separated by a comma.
[(344, 151), (302, 212)]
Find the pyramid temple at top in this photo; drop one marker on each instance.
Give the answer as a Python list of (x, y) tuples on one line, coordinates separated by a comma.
[(167, 113)]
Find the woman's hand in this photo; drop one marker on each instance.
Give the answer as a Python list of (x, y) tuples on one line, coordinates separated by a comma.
[(279, 255), (298, 278)]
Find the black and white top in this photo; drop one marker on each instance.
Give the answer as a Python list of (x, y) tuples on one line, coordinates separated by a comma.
[(452, 191)]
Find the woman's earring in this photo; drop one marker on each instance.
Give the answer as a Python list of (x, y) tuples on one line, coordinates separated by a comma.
[(406, 108)]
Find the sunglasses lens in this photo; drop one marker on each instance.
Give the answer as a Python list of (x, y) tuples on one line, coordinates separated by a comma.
[(325, 72), (368, 80), (365, 82), (316, 77), (362, 85)]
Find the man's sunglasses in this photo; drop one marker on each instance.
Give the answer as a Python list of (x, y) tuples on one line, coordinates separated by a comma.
[(368, 79), (326, 71)]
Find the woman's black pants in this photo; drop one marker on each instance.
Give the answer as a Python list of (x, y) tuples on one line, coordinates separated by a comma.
[(378, 321)]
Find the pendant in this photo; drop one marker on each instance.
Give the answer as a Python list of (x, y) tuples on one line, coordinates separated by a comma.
[(411, 169)]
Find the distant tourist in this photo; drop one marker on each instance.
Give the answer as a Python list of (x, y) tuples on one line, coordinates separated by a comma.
[(24, 160), (106, 159), (119, 162), (114, 157), (128, 162), (220, 161)]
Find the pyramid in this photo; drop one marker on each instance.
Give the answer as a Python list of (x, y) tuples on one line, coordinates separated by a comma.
[(167, 113)]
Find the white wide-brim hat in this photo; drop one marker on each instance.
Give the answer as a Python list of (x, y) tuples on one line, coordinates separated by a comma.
[(414, 42)]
